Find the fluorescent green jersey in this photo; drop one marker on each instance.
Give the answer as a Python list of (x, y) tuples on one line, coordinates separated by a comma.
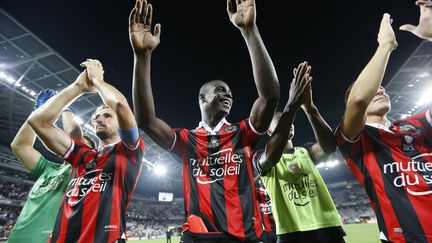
[(38, 215), (300, 199)]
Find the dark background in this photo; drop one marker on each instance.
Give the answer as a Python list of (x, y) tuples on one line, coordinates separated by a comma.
[(199, 43)]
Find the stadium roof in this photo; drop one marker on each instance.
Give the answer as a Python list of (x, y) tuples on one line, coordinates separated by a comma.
[(28, 65), (410, 89)]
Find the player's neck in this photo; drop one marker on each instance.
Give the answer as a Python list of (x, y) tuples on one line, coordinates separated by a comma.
[(289, 146), (212, 120), (109, 140), (377, 119)]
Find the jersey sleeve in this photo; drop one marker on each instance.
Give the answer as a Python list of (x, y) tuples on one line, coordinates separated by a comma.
[(249, 134), (423, 119), (257, 156), (352, 152), (42, 165), (135, 154), (180, 140), (348, 148), (73, 154)]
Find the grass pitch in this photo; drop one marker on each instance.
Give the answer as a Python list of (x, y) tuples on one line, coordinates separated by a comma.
[(356, 233)]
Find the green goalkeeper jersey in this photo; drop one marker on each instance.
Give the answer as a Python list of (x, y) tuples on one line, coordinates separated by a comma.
[(300, 199), (36, 220)]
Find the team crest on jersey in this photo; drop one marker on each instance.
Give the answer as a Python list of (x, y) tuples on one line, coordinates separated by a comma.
[(294, 168), (90, 165), (409, 128), (214, 142), (230, 129)]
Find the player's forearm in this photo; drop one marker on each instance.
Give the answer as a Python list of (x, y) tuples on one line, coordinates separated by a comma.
[(71, 125), (24, 138), (323, 133), (49, 112), (265, 76), (143, 102), (109, 94), (369, 80), (279, 138)]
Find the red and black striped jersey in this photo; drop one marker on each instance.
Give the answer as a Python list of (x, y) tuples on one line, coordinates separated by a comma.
[(218, 176), (95, 202), (265, 208), (394, 164)]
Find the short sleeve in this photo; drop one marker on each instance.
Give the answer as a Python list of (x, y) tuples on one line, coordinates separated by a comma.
[(249, 135), (73, 154), (41, 166)]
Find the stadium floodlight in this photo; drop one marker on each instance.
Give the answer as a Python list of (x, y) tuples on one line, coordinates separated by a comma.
[(6, 77), (425, 98), (159, 170), (403, 116), (332, 163), (423, 74), (320, 165)]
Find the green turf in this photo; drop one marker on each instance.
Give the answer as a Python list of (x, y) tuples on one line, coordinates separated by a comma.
[(356, 233), (173, 240), (362, 233)]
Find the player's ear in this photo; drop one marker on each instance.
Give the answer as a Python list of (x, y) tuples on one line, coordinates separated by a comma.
[(201, 96)]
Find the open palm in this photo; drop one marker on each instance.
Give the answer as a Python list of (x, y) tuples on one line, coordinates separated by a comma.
[(245, 15), (424, 28), (140, 34)]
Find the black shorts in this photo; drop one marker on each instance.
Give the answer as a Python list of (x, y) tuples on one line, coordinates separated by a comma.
[(324, 235), (211, 237)]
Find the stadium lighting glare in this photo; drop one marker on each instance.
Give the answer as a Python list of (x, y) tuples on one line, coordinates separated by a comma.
[(424, 74), (159, 170), (328, 164), (4, 76), (320, 165), (425, 98), (88, 126), (79, 120), (32, 93), (403, 116), (332, 163)]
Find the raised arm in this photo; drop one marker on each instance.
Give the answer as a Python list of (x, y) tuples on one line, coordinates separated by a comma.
[(367, 84), (424, 28), (326, 141), (43, 119), (243, 16), (71, 126), (143, 42), (22, 144), (111, 97), (279, 138)]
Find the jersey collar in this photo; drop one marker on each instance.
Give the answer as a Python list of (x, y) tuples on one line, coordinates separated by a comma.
[(214, 131)]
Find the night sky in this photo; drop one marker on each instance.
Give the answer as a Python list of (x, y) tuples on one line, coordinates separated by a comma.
[(199, 43)]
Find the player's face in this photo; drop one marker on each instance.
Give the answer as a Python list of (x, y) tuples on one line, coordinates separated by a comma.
[(219, 97), (105, 123), (380, 104)]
